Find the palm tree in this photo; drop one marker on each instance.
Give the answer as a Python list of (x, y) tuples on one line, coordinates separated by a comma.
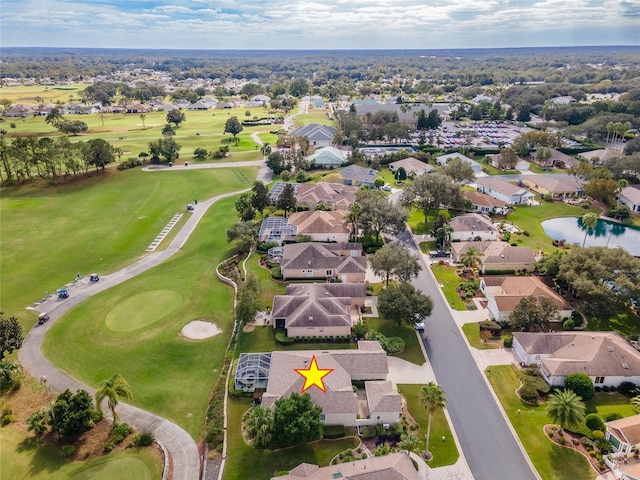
[(259, 423), (565, 408), (433, 399), (265, 149), (589, 222), (112, 389), (409, 442), (352, 217), (444, 233), (471, 258), (142, 117)]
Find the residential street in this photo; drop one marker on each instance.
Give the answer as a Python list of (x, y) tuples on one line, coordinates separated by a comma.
[(491, 449)]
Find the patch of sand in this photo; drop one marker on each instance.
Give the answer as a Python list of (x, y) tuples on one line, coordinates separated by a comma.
[(199, 330)]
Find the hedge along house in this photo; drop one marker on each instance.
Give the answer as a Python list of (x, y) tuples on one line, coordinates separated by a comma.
[(605, 357)]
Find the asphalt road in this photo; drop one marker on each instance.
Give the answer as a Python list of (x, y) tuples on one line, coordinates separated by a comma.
[(489, 446)]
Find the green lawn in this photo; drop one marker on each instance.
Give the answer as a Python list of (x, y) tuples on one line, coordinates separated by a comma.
[(612, 402), (264, 464), (531, 218), (535, 168), (449, 281), (624, 322), (98, 225), (269, 287), (313, 117), (412, 351), (160, 365), (426, 247), (28, 93), (444, 453), (552, 461), (491, 170), (416, 221), (472, 332), (24, 456)]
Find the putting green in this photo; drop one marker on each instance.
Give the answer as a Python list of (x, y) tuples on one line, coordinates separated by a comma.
[(124, 467), (142, 310)]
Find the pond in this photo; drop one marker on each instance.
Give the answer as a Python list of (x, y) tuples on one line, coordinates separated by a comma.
[(606, 234)]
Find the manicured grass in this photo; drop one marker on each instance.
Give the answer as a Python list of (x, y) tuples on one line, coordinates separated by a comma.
[(531, 218), (426, 247), (491, 170), (612, 402), (535, 168), (24, 456), (444, 453), (472, 332), (49, 94), (624, 322), (417, 224), (552, 461), (449, 281), (313, 117), (159, 364), (412, 351), (269, 286), (96, 225), (263, 464)]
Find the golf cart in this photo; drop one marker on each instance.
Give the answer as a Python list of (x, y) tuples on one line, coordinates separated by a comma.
[(94, 277), (42, 318), (62, 293), (190, 207)]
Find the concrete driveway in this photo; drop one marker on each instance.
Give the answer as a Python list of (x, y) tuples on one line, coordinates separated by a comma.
[(403, 372)]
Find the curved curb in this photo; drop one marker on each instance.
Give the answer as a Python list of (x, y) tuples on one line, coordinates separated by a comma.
[(182, 449)]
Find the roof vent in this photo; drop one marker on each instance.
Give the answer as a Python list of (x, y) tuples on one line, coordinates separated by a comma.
[(610, 349), (309, 263), (625, 366), (311, 319)]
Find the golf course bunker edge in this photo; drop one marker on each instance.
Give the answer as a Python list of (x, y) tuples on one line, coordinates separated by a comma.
[(199, 330)]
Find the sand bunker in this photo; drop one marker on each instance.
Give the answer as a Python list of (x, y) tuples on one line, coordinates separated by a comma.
[(199, 329)]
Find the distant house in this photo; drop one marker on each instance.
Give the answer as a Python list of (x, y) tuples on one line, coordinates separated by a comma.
[(277, 229), (317, 103), (321, 226), (472, 226), (565, 100), (328, 157), (396, 466), (630, 197), (444, 159), (558, 188), (624, 434), (258, 101), (501, 190), (521, 164), (340, 404), (497, 256), (161, 106), (412, 166), (137, 107), (181, 103), (483, 203), (323, 261), (318, 309), (504, 293), (199, 105), (605, 357), (332, 195), (79, 109), (359, 176), (20, 111), (557, 159), (318, 135)]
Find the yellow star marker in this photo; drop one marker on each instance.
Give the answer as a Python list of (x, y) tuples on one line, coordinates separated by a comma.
[(313, 375)]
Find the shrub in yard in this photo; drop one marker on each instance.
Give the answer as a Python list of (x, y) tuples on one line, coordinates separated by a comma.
[(606, 389), (578, 319), (610, 417), (368, 432), (281, 337), (490, 325), (594, 422), (108, 447), (67, 451), (528, 392), (604, 446), (538, 383), (628, 389), (394, 345), (581, 385), (508, 342), (144, 439), (120, 432), (597, 435), (568, 324)]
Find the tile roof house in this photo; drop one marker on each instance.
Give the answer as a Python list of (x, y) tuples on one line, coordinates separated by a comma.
[(521, 164), (504, 293), (557, 187), (333, 195), (483, 203), (557, 158), (318, 135), (624, 434), (472, 226), (501, 190), (444, 159), (321, 261), (412, 166), (359, 176), (497, 256), (605, 357), (340, 403), (630, 196), (321, 226), (328, 157), (396, 466), (318, 309)]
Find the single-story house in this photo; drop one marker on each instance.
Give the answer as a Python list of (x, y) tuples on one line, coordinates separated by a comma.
[(624, 434), (277, 229), (605, 357), (521, 164), (79, 109), (277, 189), (412, 166), (339, 404), (321, 261), (20, 111), (359, 176), (504, 293), (161, 106), (557, 187), (137, 107), (505, 191), (557, 158), (444, 159), (328, 157), (333, 195), (321, 226), (472, 226), (630, 196), (497, 256), (483, 203), (318, 135), (258, 101), (199, 105), (396, 466)]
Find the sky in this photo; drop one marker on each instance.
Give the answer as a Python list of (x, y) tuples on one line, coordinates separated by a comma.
[(318, 24)]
